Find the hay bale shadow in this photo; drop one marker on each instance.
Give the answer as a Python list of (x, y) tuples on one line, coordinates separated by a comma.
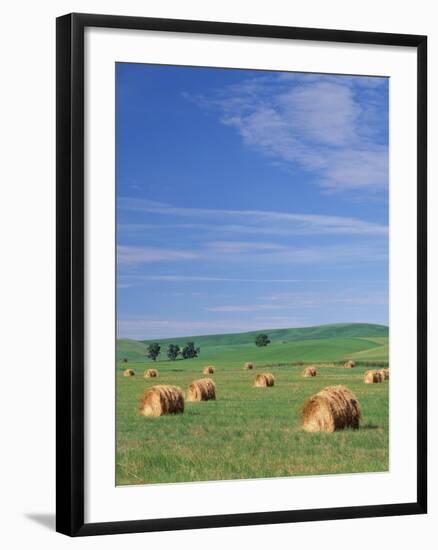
[(370, 426)]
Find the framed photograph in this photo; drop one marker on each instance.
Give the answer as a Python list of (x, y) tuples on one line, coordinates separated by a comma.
[(241, 274)]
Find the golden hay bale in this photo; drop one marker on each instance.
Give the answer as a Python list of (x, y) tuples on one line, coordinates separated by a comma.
[(333, 408), (202, 390), (350, 364), (372, 377), (248, 366), (129, 372), (264, 380), (161, 399), (150, 373), (384, 373), (308, 372), (208, 370)]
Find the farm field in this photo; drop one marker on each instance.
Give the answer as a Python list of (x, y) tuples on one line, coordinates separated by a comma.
[(253, 432)]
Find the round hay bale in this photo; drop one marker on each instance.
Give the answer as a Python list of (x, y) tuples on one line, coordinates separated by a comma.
[(372, 377), (308, 372), (264, 380), (151, 373), (208, 370), (331, 409), (160, 400), (248, 366), (129, 372), (202, 390), (384, 373), (350, 364)]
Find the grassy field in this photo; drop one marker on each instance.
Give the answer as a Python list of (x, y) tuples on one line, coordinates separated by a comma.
[(253, 432)]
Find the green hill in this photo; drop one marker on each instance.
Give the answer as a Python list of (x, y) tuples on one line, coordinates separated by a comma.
[(319, 343), (344, 330)]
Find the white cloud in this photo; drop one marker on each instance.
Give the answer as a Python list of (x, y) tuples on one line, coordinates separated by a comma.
[(254, 221), (238, 247), (266, 254), (303, 300), (131, 280), (300, 309), (317, 123), (348, 296), (147, 254), (323, 112), (256, 253), (341, 254)]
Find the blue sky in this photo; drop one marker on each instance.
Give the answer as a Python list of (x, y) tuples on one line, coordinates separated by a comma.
[(249, 200)]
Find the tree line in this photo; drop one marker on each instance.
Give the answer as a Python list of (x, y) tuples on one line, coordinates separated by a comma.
[(189, 351)]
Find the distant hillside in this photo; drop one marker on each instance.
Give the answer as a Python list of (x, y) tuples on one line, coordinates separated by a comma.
[(344, 330), (133, 349)]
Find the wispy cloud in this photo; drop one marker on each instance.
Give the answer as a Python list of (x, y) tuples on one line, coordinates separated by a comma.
[(146, 254), (266, 254), (303, 300), (238, 247), (317, 122), (370, 246), (129, 280), (146, 328), (255, 221), (198, 278), (246, 308), (347, 296), (210, 258), (300, 309)]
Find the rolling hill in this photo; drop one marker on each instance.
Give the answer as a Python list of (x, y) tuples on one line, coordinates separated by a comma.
[(333, 342)]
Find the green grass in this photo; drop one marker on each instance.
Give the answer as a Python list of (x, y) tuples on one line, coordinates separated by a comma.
[(251, 432), (231, 356), (373, 354), (133, 349)]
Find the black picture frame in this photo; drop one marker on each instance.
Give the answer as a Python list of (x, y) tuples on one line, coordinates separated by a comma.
[(70, 273)]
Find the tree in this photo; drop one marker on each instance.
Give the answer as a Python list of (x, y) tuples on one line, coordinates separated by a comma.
[(189, 351), (153, 351), (173, 351), (262, 340), (125, 360)]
